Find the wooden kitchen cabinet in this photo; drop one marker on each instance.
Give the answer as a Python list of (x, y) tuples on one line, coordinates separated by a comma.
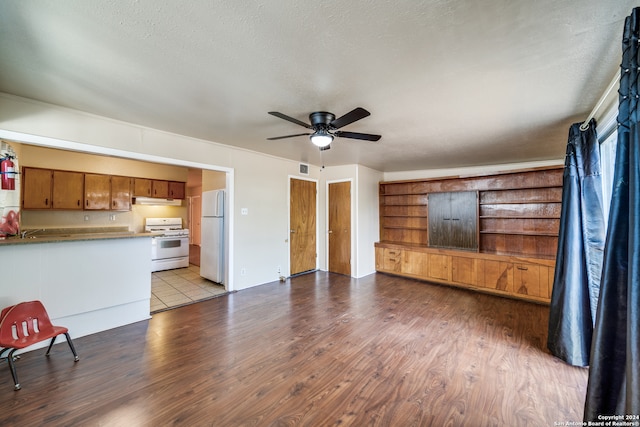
[(36, 188), (120, 193), (176, 190), (141, 187), (97, 191), (160, 189), (68, 190)]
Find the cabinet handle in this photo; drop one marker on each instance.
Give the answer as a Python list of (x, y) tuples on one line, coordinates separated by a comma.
[(87, 203), (78, 202), (46, 202), (522, 268)]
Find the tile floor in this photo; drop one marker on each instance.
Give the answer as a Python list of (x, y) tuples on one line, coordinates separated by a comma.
[(174, 288)]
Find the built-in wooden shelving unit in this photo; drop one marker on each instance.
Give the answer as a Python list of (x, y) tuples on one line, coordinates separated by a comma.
[(518, 219)]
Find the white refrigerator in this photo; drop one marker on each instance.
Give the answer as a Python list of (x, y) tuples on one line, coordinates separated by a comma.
[(212, 237)]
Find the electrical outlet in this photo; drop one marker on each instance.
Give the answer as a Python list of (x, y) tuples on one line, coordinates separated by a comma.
[(243, 271), (112, 217), (86, 217)]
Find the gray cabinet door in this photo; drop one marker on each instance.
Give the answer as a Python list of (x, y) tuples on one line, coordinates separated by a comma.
[(453, 220)]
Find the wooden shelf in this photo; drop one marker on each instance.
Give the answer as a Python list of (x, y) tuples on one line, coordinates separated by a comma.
[(403, 216), (404, 204), (518, 211), (520, 202), (517, 217), (392, 227), (518, 233)]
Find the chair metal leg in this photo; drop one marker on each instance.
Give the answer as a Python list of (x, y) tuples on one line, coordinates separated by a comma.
[(12, 366), (71, 346), (50, 345)]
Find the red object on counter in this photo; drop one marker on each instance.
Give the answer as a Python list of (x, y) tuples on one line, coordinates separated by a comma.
[(8, 174)]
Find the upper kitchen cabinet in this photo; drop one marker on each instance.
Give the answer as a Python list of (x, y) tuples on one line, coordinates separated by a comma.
[(36, 188), (97, 191), (176, 190), (68, 189), (160, 189), (120, 193), (52, 189), (141, 187)]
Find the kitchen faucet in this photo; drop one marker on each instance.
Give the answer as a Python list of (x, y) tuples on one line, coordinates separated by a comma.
[(26, 233)]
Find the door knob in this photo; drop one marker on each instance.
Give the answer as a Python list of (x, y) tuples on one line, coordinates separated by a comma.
[(292, 231)]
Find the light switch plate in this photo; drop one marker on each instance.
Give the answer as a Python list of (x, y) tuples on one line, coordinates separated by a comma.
[(244, 211)]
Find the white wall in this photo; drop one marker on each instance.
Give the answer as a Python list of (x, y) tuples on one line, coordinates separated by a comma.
[(368, 219), (365, 227)]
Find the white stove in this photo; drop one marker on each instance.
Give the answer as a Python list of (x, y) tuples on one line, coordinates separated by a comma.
[(170, 245), (165, 226)]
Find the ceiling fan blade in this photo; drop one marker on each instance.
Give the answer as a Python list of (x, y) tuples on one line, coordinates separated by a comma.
[(357, 135), (352, 116), (290, 119), (287, 136)]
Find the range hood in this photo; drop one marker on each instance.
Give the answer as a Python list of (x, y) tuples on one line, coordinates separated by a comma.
[(152, 201)]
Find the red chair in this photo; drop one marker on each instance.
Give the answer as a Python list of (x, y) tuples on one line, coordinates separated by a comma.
[(25, 324)]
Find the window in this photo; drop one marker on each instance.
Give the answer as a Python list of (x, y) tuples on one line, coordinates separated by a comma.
[(608, 138)]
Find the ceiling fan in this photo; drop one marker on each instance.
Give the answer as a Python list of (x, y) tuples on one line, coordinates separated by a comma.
[(325, 127)]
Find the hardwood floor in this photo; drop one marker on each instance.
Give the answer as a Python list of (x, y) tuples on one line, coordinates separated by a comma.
[(320, 349)]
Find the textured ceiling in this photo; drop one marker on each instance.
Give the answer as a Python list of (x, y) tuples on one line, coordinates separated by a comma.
[(448, 83)]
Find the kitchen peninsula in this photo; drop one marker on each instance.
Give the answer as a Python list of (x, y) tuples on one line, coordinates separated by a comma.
[(89, 281)]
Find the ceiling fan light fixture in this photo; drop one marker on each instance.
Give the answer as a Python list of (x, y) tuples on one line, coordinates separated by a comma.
[(321, 138)]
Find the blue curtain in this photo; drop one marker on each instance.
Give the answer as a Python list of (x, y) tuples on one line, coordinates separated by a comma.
[(576, 282), (613, 387)]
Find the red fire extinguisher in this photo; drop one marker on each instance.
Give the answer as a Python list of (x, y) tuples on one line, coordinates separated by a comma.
[(8, 173)]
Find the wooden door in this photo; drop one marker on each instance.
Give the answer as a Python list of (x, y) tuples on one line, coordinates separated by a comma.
[(340, 228), (36, 187), (195, 213), (97, 191), (68, 190), (120, 193), (302, 234)]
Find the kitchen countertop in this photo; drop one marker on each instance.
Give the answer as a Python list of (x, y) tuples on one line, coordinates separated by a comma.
[(68, 235)]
